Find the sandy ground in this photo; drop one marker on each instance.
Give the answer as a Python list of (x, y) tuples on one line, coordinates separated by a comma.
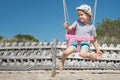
[(64, 75)]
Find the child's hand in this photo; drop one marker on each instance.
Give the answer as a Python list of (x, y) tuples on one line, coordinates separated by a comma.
[(99, 53), (66, 25)]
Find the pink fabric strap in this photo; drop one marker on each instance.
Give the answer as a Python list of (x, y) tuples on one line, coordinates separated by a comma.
[(71, 38), (79, 38)]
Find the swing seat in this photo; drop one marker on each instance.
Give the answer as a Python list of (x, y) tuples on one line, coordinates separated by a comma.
[(70, 37)]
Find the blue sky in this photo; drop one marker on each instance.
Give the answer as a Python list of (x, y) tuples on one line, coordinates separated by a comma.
[(44, 18)]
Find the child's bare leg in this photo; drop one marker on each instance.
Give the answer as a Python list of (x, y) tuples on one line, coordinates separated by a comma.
[(85, 54), (67, 52)]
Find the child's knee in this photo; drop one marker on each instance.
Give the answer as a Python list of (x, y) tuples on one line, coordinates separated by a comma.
[(66, 53), (85, 54)]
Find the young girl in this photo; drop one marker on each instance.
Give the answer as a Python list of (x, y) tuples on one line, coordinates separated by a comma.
[(83, 28)]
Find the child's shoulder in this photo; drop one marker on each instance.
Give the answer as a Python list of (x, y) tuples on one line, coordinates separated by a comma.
[(92, 25), (78, 22)]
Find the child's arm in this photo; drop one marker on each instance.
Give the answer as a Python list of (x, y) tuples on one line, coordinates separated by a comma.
[(95, 43), (67, 27)]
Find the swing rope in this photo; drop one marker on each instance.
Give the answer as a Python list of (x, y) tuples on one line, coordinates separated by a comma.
[(94, 12), (66, 16)]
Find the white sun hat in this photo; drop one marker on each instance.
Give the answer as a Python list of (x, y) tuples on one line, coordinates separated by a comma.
[(86, 8)]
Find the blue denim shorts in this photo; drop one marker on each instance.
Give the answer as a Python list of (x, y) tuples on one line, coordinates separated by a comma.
[(82, 46)]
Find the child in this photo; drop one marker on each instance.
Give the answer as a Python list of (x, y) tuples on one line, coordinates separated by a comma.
[(83, 28)]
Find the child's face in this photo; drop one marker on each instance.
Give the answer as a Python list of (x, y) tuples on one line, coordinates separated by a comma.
[(83, 17)]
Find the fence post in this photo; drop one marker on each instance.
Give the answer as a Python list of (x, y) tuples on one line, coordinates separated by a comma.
[(54, 57)]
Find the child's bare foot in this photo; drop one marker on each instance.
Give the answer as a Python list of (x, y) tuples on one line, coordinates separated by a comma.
[(93, 57), (61, 66), (99, 56)]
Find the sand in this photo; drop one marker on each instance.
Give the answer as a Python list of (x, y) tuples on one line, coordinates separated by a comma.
[(64, 75)]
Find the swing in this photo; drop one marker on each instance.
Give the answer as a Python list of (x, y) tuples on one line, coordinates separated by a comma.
[(70, 36)]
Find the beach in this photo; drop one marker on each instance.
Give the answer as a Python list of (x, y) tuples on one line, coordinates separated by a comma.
[(63, 75)]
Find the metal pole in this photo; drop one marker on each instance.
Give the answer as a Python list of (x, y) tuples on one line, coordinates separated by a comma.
[(54, 58)]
